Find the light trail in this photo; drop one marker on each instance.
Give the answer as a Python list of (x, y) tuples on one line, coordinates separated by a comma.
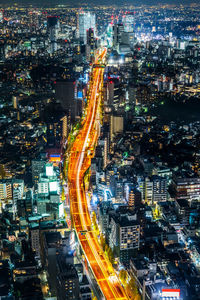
[(78, 165)]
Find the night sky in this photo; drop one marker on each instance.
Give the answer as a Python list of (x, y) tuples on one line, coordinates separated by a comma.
[(90, 2)]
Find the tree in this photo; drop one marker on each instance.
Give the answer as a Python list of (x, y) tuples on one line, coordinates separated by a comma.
[(110, 255), (102, 242), (63, 194), (123, 276), (132, 288), (137, 297), (106, 249), (2, 172), (94, 218)]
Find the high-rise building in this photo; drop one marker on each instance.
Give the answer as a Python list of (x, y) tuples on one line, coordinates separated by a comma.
[(134, 199), (128, 21), (2, 50), (116, 125), (10, 191), (118, 29), (187, 188), (35, 238), (66, 94), (91, 39), (15, 102), (124, 235), (86, 21), (53, 27), (64, 127), (5, 190), (153, 189), (37, 169), (67, 281)]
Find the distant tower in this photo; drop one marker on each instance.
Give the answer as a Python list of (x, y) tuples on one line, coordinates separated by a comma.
[(90, 38), (118, 29), (2, 50), (134, 199), (86, 21), (1, 15), (53, 26), (128, 21), (90, 46), (15, 102)]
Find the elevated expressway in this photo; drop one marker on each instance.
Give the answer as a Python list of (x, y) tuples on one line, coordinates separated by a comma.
[(79, 162)]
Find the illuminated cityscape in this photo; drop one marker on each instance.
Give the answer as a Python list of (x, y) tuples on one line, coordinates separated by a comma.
[(99, 151)]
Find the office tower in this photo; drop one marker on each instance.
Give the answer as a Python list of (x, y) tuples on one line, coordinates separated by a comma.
[(53, 27), (5, 190), (43, 186), (5, 193), (103, 210), (51, 243), (187, 188), (18, 189), (128, 21), (124, 235), (29, 202), (67, 281), (118, 30), (86, 21), (134, 198), (56, 123), (37, 169), (116, 125), (110, 92), (66, 94), (90, 46), (15, 102), (153, 189), (113, 92), (2, 50), (11, 190), (56, 129), (35, 238), (64, 127), (159, 189), (90, 39)]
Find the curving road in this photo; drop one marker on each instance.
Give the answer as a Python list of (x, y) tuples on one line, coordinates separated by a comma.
[(79, 162)]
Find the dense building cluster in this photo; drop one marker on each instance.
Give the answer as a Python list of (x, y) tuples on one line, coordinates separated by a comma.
[(143, 184)]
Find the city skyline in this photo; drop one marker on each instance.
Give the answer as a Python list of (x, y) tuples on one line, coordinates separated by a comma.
[(99, 151)]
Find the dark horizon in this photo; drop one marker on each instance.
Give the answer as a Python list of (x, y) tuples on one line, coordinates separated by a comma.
[(95, 2)]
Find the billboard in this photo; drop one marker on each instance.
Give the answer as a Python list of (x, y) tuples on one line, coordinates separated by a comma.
[(53, 186), (175, 293), (80, 95), (61, 210), (49, 170), (54, 158)]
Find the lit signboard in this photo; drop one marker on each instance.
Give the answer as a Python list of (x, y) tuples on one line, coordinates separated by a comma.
[(175, 293), (49, 170), (80, 95), (54, 158), (53, 186), (61, 210)]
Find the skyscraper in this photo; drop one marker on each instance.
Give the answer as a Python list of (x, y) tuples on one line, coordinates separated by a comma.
[(128, 21), (66, 94), (86, 21), (53, 26)]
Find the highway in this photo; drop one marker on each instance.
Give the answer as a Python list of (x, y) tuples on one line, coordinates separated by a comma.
[(79, 162)]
